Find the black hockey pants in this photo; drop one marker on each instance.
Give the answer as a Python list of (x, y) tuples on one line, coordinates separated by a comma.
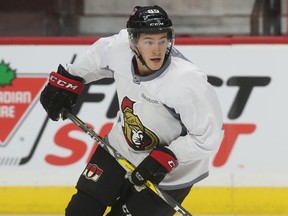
[(147, 203)]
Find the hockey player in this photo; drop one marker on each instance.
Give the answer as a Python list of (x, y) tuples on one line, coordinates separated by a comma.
[(170, 120)]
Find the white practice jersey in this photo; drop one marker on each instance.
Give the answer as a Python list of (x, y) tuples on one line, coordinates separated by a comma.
[(174, 106)]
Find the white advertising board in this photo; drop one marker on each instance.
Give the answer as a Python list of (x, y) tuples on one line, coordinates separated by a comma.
[(250, 80)]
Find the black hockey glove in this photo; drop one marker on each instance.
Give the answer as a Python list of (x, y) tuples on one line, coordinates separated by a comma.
[(155, 166), (60, 93)]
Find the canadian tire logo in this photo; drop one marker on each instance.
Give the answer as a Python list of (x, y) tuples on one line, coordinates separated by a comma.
[(17, 94)]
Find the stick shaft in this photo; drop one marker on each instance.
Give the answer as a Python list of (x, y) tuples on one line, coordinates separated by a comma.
[(126, 164)]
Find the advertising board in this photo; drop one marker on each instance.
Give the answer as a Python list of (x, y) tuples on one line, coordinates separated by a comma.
[(249, 174)]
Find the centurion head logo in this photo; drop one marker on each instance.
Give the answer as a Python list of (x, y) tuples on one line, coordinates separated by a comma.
[(137, 135)]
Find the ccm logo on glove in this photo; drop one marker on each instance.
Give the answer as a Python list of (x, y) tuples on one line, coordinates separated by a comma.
[(155, 166), (60, 93), (167, 160), (62, 82)]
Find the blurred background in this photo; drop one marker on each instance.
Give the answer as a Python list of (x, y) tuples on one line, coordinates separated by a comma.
[(242, 45), (190, 17)]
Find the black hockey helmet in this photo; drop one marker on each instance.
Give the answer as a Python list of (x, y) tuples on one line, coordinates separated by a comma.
[(149, 19)]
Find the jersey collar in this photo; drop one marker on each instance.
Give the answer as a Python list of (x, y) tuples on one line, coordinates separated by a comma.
[(138, 79)]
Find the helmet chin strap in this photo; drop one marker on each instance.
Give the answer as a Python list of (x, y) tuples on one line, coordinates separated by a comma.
[(139, 56)]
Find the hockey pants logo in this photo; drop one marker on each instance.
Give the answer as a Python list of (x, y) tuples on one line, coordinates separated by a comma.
[(92, 172)]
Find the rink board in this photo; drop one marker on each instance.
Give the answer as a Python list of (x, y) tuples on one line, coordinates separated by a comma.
[(201, 200), (248, 175)]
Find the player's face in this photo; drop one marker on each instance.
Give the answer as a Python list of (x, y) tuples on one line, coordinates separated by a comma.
[(153, 48)]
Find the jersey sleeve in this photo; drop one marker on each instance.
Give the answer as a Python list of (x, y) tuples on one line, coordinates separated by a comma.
[(95, 63), (201, 114)]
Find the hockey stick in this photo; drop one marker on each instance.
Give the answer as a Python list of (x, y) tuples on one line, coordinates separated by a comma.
[(127, 165), (24, 160)]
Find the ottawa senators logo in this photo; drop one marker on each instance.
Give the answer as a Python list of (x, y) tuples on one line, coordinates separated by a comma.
[(137, 136), (92, 172)]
